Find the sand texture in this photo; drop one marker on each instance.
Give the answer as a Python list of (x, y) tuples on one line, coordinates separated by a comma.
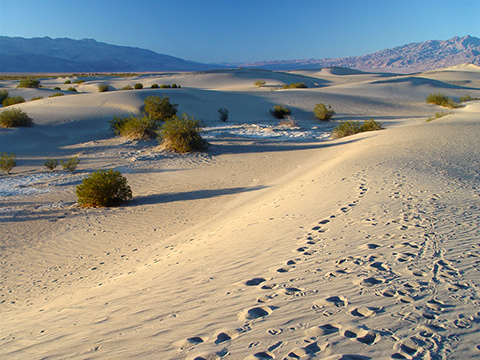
[(278, 243)]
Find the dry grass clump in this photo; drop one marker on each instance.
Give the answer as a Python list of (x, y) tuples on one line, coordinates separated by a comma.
[(103, 189), (439, 115), (71, 164), (467, 98), (51, 164), (442, 100), (183, 135), (259, 83), (323, 112), (300, 85), (15, 117), (288, 121), (346, 128)]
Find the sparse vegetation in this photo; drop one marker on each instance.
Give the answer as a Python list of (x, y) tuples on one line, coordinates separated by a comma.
[(346, 128), (36, 98), (442, 100), (103, 188), (259, 83), (223, 114), (79, 81), (134, 128), (51, 164), (467, 98), (300, 85), (102, 88), (154, 86), (160, 109), (4, 94), (57, 94), (439, 115), (71, 164), (138, 86), (15, 117), (67, 82), (127, 87), (280, 111), (29, 83), (183, 135), (7, 162), (71, 88), (323, 112), (288, 121), (12, 100), (56, 88)]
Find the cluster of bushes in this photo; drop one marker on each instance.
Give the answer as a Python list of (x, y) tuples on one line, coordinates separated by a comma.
[(442, 100), (102, 88), (15, 117), (346, 128), (71, 88), (29, 83), (8, 162), (439, 115), (166, 86), (127, 87), (36, 98), (467, 98), (259, 83), (12, 100), (300, 85)]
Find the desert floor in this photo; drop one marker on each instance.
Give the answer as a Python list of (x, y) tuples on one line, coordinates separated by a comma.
[(277, 243)]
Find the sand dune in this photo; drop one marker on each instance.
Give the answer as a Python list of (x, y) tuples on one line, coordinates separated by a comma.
[(266, 247)]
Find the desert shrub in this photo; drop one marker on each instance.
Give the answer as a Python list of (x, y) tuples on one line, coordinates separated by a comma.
[(439, 115), (57, 94), (323, 112), (223, 114), (102, 88), (259, 83), (7, 162), (51, 164), (4, 94), (442, 100), (67, 82), (160, 108), (174, 86), (300, 85), (36, 98), (127, 87), (79, 81), (56, 88), (288, 121), (71, 88), (154, 86), (103, 188), (13, 100), (183, 135), (71, 164), (165, 86), (15, 117), (467, 98), (117, 123), (29, 83), (280, 111), (138, 86), (346, 128)]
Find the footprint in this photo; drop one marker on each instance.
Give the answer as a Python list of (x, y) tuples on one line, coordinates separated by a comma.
[(226, 336), (322, 330), (190, 342), (285, 269), (364, 336), (311, 349), (370, 281), (255, 313), (255, 281), (435, 305), (365, 311), (419, 272), (264, 355), (292, 290), (379, 266), (333, 301)]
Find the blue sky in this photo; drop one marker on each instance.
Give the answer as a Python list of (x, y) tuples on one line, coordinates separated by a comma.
[(245, 30)]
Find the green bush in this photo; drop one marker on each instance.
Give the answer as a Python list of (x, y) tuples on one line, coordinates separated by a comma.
[(160, 108), (103, 188), (259, 83), (29, 83), (57, 94), (56, 88), (7, 162), (138, 86), (15, 117), (439, 115), (51, 164), (102, 88), (67, 82), (36, 98), (127, 87), (183, 135), (346, 128), (13, 100), (79, 81), (280, 111), (71, 164), (223, 114), (323, 112), (467, 98), (442, 100), (300, 85), (174, 86), (4, 94), (165, 86), (71, 88), (154, 86)]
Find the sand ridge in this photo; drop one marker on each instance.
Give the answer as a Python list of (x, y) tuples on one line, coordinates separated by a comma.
[(356, 248)]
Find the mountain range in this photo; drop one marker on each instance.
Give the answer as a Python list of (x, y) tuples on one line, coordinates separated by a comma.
[(87, 55)]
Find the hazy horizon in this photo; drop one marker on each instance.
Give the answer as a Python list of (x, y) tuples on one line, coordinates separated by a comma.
[(213, 31)]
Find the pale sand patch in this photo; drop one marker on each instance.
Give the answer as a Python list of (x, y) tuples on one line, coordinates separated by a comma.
[(362, 247)]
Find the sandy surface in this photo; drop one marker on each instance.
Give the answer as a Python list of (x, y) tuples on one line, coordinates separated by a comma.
[(278, 243)]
